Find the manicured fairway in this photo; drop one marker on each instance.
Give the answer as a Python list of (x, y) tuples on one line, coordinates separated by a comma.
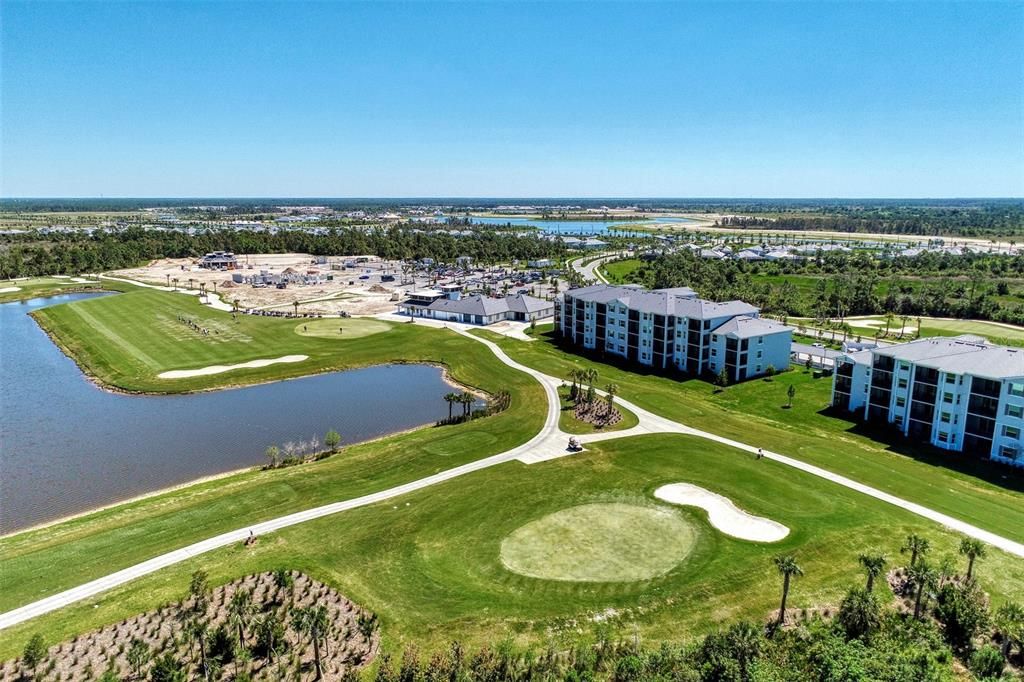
[(430, 564), (342, 329), (129, 339), (21, 289), (610, 542), (930, 326)]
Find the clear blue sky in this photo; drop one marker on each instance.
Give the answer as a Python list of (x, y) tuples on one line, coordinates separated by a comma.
[(585, 99)]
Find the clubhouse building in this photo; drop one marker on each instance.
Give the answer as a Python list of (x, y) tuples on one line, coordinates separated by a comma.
[(673, 330), (957, 393), (451, 306)]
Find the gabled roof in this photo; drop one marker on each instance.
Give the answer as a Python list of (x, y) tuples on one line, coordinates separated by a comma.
[(745, 327), (521, 303)]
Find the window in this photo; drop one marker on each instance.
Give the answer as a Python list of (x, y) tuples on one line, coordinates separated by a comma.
[(760, 339), (901, 402), (898, 420), (1011, 432), (758, 368), (714, 338), (947, 397), (902, 383), (1008, 451), (758, 355), (714, 352), (945, 418), (943, 437), (1015, 411), (950, 378), (1017, 389)]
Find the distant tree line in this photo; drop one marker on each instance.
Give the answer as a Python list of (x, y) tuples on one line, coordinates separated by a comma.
[(1004, 219), (974, 286), (33, 253)]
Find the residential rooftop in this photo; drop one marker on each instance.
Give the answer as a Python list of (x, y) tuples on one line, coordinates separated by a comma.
[(678, 301), (959, 355)]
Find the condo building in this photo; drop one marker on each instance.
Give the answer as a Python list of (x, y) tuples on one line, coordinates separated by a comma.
[(960, 393), (673, 330)]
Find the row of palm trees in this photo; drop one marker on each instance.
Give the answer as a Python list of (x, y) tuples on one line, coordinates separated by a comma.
[(464, 399), (588, 376), (921, 574)]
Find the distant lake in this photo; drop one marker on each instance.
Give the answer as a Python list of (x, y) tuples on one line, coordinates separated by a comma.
[(576, 227), (67, 446)]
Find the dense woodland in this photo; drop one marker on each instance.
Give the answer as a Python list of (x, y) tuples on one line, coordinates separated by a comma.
[(34, 254), (837, 284), (985, 221)]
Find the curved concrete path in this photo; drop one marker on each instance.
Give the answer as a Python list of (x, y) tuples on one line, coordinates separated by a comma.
[(550, 443)]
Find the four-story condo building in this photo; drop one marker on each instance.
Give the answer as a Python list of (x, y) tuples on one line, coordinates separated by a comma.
[(960, 393), (673, 330)]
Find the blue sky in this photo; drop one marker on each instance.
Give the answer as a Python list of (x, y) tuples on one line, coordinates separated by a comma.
[(501, 99)]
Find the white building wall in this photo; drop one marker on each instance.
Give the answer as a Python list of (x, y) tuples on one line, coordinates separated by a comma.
[(951, 398), (1006, 447)]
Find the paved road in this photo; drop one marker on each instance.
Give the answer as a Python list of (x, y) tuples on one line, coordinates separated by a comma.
[(549, 443), (589, 271)]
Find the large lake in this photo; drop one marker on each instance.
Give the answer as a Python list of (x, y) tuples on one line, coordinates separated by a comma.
[(66, 446), (577, 227)]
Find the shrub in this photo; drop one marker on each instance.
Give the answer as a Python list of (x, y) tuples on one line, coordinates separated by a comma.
[(987, 662), (963, 612), (860, 613)]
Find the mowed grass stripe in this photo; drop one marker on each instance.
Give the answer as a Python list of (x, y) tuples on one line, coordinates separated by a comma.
[(112, 336)]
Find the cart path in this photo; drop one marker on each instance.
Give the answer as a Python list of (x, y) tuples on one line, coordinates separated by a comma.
[(550, 443)]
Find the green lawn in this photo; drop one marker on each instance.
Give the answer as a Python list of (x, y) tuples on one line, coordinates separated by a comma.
[(980, 492), (430, 563), (41, 286), (620, 272), (127, 340)]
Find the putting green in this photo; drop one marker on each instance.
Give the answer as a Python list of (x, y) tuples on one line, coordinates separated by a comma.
[(613, 542), (342, 328)]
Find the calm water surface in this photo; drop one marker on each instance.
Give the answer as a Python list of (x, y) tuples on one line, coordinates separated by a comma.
[(67, 446)]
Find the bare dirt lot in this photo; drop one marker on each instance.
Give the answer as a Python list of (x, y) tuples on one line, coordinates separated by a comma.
[(356, 290)]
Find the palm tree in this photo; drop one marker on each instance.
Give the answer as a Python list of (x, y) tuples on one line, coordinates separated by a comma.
[(611, 390), (175, 280), (295, 303), (313, 621), (972, 549), (196, 631), (922, 576), (450, 398), (790, 394), (873, 565), (917, 546), (467, 401), (591, 376), (788, 567), (239, 610)]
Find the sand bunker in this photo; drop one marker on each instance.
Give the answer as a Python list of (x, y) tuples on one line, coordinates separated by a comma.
[(9, 290), (723, 514), (217, 369)]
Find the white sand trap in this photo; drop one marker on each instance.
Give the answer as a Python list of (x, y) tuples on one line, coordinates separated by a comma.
[(217, 369), (9, 290), (723, 514)]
